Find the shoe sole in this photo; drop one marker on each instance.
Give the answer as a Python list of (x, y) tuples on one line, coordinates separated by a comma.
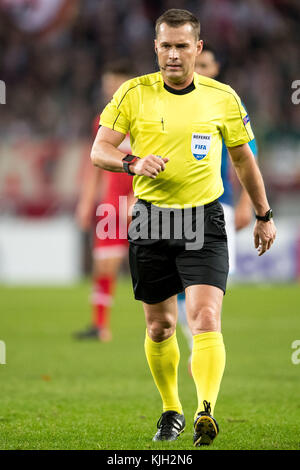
[(206, 430)]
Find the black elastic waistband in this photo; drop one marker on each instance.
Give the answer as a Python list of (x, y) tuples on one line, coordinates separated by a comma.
[(148, 204)]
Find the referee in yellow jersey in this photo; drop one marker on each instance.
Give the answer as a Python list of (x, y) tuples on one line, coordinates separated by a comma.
[(176, 119)]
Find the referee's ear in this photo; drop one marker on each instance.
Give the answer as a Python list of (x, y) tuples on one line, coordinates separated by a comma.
[(199, 46)]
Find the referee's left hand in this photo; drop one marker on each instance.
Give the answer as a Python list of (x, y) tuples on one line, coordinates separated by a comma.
[(264, 235), (149, 166)]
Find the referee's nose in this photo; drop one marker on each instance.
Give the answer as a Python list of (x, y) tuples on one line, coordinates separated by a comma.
[(173, 53)]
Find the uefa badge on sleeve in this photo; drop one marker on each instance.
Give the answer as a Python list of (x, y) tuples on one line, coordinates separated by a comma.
[(246, 119), (200, 145)]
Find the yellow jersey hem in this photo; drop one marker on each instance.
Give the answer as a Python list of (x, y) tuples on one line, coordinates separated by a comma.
[(183, 206)]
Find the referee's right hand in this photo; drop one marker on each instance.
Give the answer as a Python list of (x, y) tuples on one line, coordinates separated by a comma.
[(149, 166)]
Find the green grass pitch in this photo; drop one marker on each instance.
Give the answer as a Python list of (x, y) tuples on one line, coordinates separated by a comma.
[(57, 393)]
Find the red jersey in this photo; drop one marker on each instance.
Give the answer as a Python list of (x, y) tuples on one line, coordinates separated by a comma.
[(117, 184)]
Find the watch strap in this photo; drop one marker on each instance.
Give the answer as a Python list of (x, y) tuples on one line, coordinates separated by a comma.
[(265, 218), (128, 160)]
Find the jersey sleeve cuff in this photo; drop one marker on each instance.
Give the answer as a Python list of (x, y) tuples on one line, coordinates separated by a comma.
[(114, 127), (235, 143)]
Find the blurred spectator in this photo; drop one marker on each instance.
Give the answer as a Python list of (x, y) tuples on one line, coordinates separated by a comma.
[(52, 78)]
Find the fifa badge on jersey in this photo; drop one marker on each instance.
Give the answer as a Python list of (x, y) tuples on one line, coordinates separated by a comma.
[(246, 119), (200, 145)]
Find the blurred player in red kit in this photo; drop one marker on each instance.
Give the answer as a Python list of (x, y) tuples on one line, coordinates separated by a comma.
[(108, 253)]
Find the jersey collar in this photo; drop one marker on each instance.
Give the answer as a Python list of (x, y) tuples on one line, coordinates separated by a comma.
[(183, 91)]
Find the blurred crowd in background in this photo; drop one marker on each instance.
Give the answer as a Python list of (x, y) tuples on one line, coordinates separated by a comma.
[(54, 78)]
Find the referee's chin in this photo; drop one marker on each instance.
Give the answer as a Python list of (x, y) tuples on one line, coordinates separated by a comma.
[(172, 77), (176, 77)]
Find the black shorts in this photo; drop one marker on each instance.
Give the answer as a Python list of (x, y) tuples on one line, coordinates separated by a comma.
[(162, 266)]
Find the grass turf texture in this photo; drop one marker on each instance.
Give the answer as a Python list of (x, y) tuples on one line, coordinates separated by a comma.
[(57, 393)]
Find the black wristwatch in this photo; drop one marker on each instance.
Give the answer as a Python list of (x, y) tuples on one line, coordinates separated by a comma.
[(128, 160), (265, 218)]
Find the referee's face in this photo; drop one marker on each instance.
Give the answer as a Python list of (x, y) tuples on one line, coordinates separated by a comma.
[(177, 49)]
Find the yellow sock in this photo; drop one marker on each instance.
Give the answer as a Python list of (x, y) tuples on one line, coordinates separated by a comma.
[(163, 359), (208, 363)]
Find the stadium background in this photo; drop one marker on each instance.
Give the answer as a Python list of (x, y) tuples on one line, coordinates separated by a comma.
[(52, 54)]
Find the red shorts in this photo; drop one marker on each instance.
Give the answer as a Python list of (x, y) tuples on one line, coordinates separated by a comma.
[(110, 237), (115, 222)]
